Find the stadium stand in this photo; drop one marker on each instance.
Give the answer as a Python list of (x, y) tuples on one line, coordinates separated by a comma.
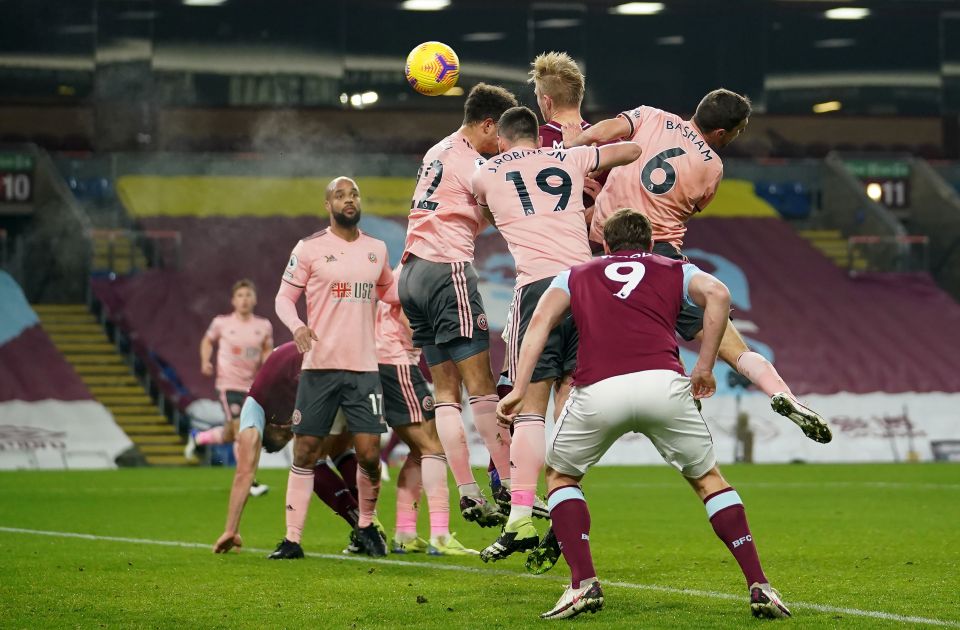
[(50, 416), (795, 297)]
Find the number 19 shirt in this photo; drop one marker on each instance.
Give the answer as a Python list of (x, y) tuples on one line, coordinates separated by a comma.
[(676, 176), (536, 198)]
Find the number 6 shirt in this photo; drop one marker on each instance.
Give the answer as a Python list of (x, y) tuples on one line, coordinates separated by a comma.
[(536, 198), (676, 177)]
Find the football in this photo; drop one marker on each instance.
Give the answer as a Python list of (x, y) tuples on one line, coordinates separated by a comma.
[(432, 68)]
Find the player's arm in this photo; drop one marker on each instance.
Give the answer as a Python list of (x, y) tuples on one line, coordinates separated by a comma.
[(248, 444), (714, 298), (206, 354), (617, 154), (388, 286), (551, 309), (480, 194), (292, 284), (267, 346), (602, 132)]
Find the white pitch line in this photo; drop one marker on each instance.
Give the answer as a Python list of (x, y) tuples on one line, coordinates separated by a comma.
[(873, 614)]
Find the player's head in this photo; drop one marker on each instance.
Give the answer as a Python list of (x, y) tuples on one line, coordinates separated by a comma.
[(627, 230), (721, 116), (276, 436), (557, 83), (343, 201), (243, 296), (518, 125), (485, 104)]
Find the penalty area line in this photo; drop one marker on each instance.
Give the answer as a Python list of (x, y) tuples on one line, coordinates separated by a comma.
[(873, 614)]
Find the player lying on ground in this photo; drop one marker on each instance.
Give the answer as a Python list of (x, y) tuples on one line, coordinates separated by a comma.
[(408, 409), (534, 197), (265, 421), (677, 178), (438, 291), (343, 273), (629, 379)]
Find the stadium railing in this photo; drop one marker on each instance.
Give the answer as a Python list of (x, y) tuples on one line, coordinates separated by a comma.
[(905, 254), (122, 252)]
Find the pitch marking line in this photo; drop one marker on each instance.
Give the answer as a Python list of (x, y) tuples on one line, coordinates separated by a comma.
[(874, 614)]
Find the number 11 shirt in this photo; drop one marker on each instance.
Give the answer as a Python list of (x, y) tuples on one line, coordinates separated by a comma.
[(536, 198), (676, 177)]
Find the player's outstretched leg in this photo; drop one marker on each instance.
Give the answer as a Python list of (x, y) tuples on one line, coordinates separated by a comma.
[(729, 520), (571, 522), (734, 351)]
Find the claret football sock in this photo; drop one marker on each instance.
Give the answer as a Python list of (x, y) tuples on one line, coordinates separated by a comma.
[(346, 464), (570, 520), (329, 487), (729, 519), (299, 489), (496, 438), (454, 440), (408, 496), (434, 471), (761, 373), (368, 485)]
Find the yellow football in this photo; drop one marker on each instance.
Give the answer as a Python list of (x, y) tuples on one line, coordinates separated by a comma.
[(432, 68)]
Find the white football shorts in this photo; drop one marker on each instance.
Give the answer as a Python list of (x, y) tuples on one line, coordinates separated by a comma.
[(656, 403)]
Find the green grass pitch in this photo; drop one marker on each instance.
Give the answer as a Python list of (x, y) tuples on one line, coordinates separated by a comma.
[(849, 546)]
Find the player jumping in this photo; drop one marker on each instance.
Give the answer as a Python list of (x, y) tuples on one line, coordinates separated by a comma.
[(438, 291), (629, 379), (535, 198), (343, 272), (677, 178)]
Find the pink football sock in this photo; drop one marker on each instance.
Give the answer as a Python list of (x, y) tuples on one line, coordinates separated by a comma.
[(761, 373), (527, 451), (299, 489), (408, 495), (368, 487), (210, 436), (434, 469), (494, 436), (454, 441)]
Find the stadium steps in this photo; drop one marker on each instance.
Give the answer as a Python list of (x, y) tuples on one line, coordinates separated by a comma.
[(833, 245), (86, 347), (127, 256)]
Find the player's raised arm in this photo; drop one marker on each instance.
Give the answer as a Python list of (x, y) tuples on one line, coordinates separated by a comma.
[(714, 298), (602, 132), (617, 154)]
